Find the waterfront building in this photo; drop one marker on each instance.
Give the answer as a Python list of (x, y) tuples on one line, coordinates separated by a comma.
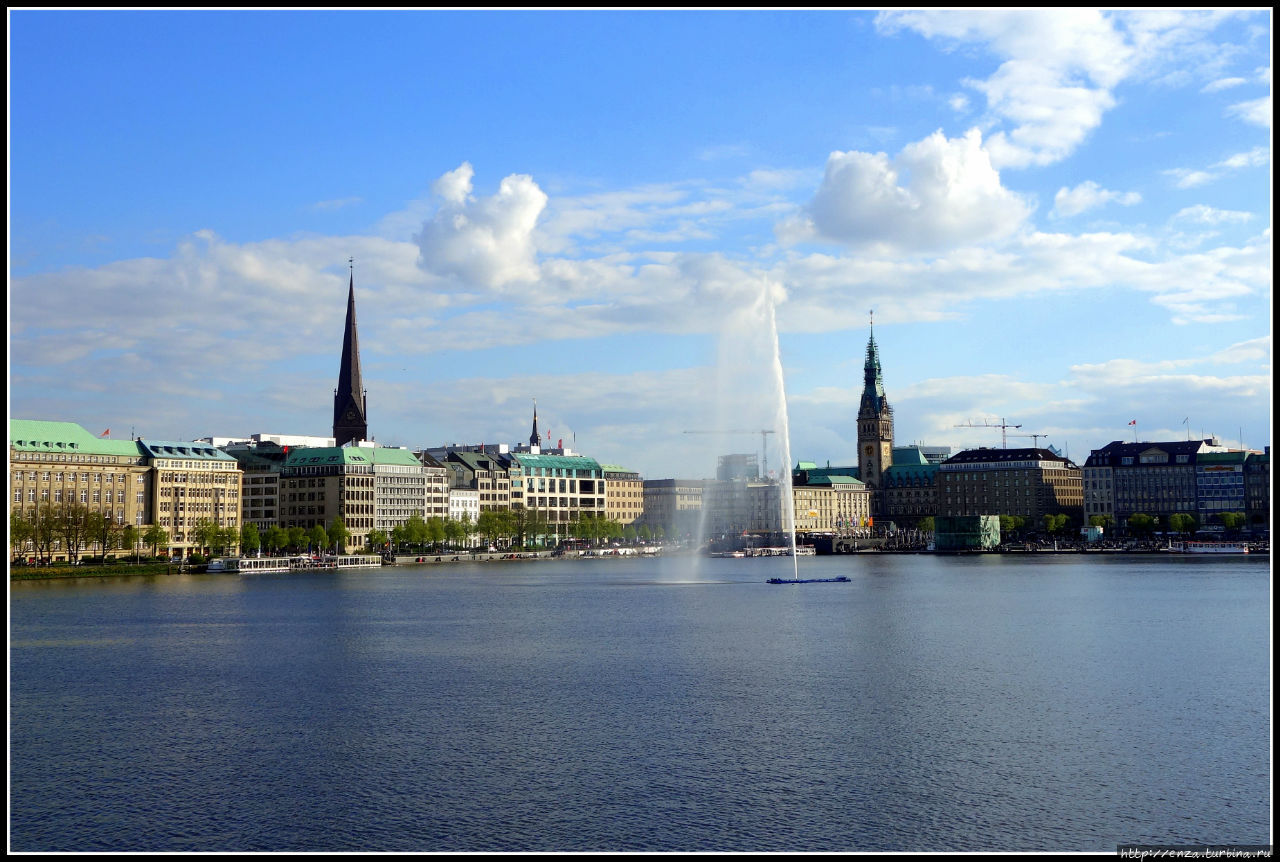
[(1257, 491), (829, 502), (437, 476), (1219, 486), (1157, 479), (911, 484), (320, 484), (623, 494), (560, 489), (192, 483), (1027, 483), (875, 427), (350, 402), (464, 505), (52, 463), (260, 464), (675, 505), (400, 488), (481, 472)]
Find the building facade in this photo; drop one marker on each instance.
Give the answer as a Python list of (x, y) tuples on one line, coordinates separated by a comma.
[(319, 485), (193, 483), (1026, 483), (57, 463), (1157, 479), (623, 494)]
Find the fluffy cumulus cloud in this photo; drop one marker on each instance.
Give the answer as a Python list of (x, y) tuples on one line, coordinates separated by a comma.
[(1061, 67), (1089, 195), (938, 193), (483, 242)]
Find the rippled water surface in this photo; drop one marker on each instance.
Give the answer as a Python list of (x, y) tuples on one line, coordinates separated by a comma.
[(929, 704)]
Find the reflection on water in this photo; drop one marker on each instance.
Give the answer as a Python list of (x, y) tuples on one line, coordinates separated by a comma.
[(929, 704)]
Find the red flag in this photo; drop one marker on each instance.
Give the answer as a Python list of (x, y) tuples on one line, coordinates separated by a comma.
[(560, 443), (286, 450), (105, 433), (1134, 422)]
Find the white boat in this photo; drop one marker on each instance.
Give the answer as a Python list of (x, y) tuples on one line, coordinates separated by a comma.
[(222, 564), (348, 561), (1208, 548), (260, 565)]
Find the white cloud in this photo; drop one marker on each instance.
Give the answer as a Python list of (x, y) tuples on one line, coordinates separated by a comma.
[(1256, 112), (1222, 84), (1186, 178), (485, 243), (1061, 66), (1209, 215), (936, 194), (1089, 195)]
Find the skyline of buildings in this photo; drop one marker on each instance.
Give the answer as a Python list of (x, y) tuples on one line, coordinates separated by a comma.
[(1074, 249)]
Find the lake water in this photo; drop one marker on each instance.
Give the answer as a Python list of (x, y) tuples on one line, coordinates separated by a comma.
[(932, 703)]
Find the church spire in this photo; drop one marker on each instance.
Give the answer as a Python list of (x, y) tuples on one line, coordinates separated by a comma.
[(873, 382), (350, 421), (534, 439)]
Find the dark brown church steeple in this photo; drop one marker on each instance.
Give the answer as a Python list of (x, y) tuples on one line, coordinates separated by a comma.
[(350, 421)]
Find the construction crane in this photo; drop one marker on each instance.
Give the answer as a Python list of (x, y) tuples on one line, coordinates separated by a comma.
[(764, 443), (1034, 438), (1002, 425)]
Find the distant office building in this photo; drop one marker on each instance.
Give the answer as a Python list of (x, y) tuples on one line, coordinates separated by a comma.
[(730, 467), (561, 489), (193, 483), (56, 463), (1220, 486), (673, 504), (319, 485), (911, 484), (481, 472), (1257, 491), (828, 502), (1027, 483), (1157, 479), (623, 494)]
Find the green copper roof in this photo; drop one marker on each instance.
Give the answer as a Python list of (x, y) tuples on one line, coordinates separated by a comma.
[(31, 435), (184, 450), (551, 462)]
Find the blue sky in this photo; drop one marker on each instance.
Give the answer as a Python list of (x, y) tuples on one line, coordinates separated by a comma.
[(1061, 220)]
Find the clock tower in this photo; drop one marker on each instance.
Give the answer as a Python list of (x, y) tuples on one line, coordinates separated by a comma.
[(875, 424), (350, 421)]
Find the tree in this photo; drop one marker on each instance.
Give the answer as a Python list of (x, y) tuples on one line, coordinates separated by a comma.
[(318, 538), (629, 533), (250, 538), (277, 538), (1141, 524), (454, 532), (645, 532), (377, 540), (104, 531), (206, 534), (154, 537), (1180, 522), (415, 530), (339, 535), (130, 536), (1103, 521), (297, 538), (72, 528), (434, 530), (1232, 521), (925, 524), (1054, 523), (21, 531)]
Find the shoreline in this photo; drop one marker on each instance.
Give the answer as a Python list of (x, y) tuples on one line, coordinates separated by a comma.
[(55, 572)]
